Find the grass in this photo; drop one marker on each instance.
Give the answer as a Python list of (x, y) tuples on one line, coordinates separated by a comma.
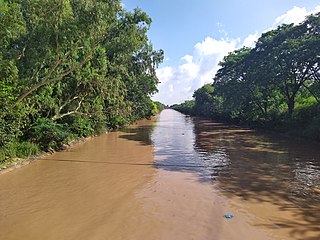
[(16, 152)]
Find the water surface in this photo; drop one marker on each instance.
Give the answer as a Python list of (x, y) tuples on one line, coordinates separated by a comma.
[(275, 178), (173, 177)]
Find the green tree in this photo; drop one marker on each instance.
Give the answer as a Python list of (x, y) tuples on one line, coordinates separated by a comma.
[(73, 68), (206, 103), (292, 56)]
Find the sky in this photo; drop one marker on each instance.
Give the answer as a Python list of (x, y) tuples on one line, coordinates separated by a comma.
[(196, 34)]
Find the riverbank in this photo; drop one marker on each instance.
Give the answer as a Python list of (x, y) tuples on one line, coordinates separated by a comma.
[(14, 163)]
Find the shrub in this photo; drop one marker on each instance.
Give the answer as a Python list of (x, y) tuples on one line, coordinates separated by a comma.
[(2, 156), (49, 134), (18, 149), (26, 149), (116, 122), (313, 129), (304, 115), (81, 127), (11, 121)]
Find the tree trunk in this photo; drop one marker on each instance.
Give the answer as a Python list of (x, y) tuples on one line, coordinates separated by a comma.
[(291, 103)]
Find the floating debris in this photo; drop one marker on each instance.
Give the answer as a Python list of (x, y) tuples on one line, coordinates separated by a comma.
[(228, 216)]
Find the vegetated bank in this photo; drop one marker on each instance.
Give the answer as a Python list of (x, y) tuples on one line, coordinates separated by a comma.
[(275, 85), (71, 69)]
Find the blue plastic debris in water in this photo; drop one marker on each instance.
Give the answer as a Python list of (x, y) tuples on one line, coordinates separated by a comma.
[(228, 216)]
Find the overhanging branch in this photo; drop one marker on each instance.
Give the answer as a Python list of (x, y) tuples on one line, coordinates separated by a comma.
[(47, 80)]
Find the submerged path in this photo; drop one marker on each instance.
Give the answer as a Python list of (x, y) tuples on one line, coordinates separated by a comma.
[(173, 177)]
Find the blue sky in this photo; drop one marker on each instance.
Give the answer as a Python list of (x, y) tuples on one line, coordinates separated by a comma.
[(196, 34)]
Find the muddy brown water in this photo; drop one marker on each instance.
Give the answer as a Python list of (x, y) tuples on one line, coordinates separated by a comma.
[(173, 177)]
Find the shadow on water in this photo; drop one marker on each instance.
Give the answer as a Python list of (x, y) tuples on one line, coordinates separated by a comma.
[(268, 168), (139, 133), (255, 166)]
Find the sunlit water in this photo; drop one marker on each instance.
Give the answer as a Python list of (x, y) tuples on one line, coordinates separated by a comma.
[(170, 178), (223, 153), (277, 177)]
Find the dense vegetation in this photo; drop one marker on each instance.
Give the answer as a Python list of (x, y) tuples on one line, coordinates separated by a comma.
[(70, 69), (158, 106), (274, 85)]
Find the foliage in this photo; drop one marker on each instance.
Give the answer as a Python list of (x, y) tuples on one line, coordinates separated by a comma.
[(159, 106), (274, 85), (206, 103), (186, 107), (72, 68), (49, 134), (82, 127), (18, 149)]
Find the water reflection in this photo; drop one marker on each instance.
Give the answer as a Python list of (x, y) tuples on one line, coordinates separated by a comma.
[(113, 187), (292, 165), (218, 151), (254, 166), (174, 141), (140, 132)]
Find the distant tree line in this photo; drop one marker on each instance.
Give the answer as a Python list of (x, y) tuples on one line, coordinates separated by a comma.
[(69, 69), (275, 85), (159, 106)]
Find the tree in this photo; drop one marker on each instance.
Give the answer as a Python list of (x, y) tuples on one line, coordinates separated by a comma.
[(62, 37), (292, 52), (73, 68), (206, 103)]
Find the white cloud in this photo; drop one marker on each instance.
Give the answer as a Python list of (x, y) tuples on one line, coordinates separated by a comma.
[(187, 58), (187, 72), (171, 89), (221, 29), (294, 15), (179, 82), (212, 46), (250, 40), (316, 10), (164, 74)]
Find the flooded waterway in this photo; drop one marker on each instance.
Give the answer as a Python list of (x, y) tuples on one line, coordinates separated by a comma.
[(172, 177)]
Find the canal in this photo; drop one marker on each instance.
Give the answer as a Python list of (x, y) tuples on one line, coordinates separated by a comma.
[(171, 177)]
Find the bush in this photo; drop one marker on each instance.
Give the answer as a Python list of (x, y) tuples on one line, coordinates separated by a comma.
[(186, 107), (82, 127), (49, 134), (26, 149), (10, 150), (313, 129), (18, 149), (117, 121), (304, 115), (2, 156), (11, 122)]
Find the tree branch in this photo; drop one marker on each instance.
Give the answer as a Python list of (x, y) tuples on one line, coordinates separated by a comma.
[(43, 82), (46, 80), (312, 93), (256, 101), (59, 116), (67, 102)]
